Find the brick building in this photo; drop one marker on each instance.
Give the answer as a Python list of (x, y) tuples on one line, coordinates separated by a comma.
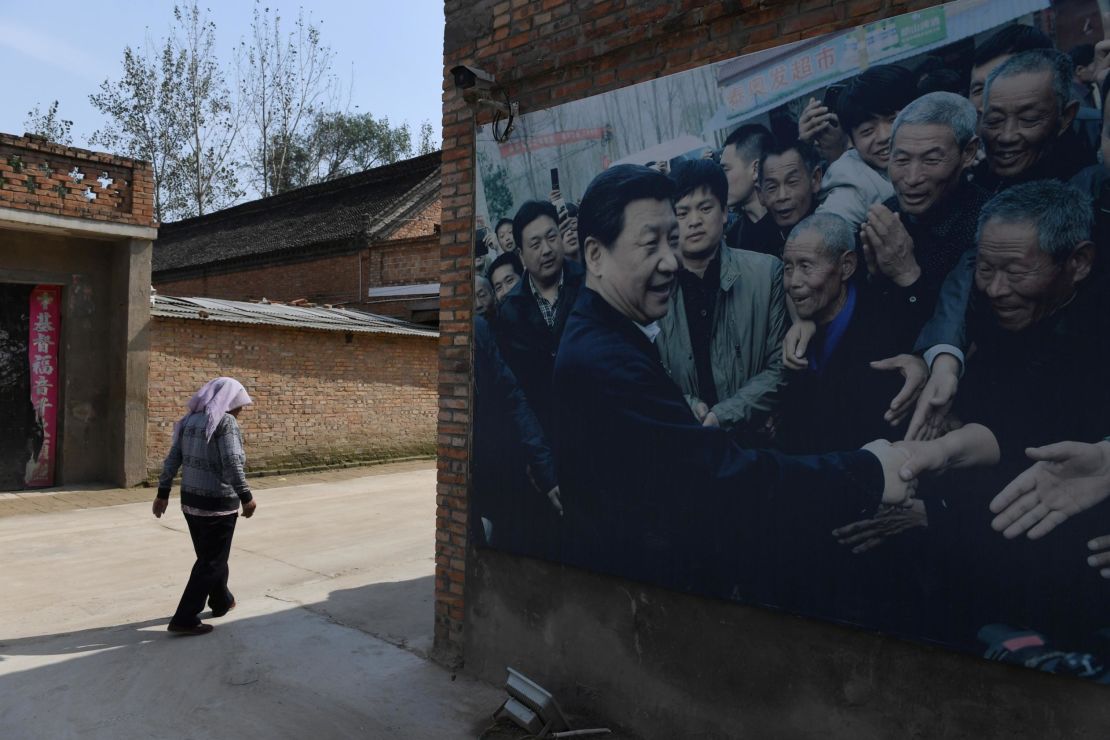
[(75, 242), (369, 239), (329, 385), (669, 664)]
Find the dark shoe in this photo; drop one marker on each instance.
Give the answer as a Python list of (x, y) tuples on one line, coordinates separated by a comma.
[(217, 614), (197, 629)]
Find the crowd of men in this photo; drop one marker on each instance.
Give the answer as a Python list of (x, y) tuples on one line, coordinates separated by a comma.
[(665, 368)]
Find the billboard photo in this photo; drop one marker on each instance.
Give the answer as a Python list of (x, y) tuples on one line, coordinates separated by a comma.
[(822, 328)]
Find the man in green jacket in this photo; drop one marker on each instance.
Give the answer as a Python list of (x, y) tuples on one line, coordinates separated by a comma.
[(721, 340)]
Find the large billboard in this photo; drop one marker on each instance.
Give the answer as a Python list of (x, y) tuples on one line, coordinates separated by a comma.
[(822, 328)]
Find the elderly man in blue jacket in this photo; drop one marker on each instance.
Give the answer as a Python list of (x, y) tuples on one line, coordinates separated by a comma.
[(649, 492)]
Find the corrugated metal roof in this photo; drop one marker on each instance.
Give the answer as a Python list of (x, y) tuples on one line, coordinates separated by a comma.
[(403, 290), (277, 314)]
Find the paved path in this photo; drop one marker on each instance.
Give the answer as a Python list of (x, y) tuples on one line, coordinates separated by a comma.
[(333, 577)]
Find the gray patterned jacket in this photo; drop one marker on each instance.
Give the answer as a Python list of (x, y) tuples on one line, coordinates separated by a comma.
[(212, 476)]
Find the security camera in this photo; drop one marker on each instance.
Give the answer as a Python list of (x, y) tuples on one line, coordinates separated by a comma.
[(472, 78)]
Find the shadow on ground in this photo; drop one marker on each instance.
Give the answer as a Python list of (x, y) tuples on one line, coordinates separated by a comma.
[(330, 669)]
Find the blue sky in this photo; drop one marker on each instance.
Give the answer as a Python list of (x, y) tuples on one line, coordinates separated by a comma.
[(63, 50)]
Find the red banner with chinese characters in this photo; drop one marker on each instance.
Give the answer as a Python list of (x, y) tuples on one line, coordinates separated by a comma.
[(558, 138), (42, 353)]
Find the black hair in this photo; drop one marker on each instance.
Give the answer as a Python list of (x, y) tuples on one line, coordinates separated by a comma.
[(1010, 40), (601, 211), (882, 90), (480, 248), (750, 140), (810, 158), (502, 222), (506, 258), (572, 209), (943, 80), (529, 212), (700, 173), (1082, 55)]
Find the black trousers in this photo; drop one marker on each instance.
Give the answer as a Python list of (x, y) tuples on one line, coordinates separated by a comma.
[(208, 579)]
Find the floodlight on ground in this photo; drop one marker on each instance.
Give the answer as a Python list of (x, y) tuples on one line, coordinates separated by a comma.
[(532, 707)]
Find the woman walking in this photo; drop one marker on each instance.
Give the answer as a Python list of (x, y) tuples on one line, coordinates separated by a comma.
[(208, 448)]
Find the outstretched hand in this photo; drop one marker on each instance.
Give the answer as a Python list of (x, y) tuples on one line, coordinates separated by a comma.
[(866, 534), (915, 372), (935, 401), (1068, 477), (1101, 559)]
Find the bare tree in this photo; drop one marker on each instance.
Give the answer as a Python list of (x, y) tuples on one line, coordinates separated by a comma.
[(144, 115), (209, 116), (172, 108), (286, 81)]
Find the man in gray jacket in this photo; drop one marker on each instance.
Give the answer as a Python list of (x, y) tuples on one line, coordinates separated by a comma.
[(721, 339)]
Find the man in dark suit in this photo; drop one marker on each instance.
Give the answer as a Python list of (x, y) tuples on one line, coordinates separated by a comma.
[(532, 316), (515, 502), (649, 492)]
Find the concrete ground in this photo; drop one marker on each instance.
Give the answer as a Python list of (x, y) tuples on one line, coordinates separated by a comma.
[(333, 577)]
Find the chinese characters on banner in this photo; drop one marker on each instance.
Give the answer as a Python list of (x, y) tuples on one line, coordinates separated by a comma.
[(42, 351), (840, 55)]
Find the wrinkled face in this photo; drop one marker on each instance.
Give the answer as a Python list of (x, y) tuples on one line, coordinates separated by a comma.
[(568, 230), (815, 280), (979, 77), (1020, 123), (542, 251), (504, 279), (1022, 282), (505, 237), (484, 301), (701, 222), (872, 140), (788, 188), (636, 273), (925, 165), (740, 174)]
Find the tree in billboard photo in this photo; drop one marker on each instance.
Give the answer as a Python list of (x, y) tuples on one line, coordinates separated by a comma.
[(821, 328)]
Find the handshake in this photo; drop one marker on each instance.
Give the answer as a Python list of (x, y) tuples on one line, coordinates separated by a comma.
[(904, 462), (899, 484)]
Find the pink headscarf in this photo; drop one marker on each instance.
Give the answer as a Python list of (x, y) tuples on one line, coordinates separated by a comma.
[(215, 398)]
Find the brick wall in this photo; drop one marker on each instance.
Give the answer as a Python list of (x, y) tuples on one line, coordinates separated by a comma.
[(410, 255), (549, 52), (324, 280), (404, 263), (423, 223), (318, 398), (35, 175), (333, 279)]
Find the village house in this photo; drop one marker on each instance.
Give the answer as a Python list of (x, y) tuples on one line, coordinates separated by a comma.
[(369, 240)]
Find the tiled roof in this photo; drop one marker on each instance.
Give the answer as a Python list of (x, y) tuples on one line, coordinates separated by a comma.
[(366, 206)]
